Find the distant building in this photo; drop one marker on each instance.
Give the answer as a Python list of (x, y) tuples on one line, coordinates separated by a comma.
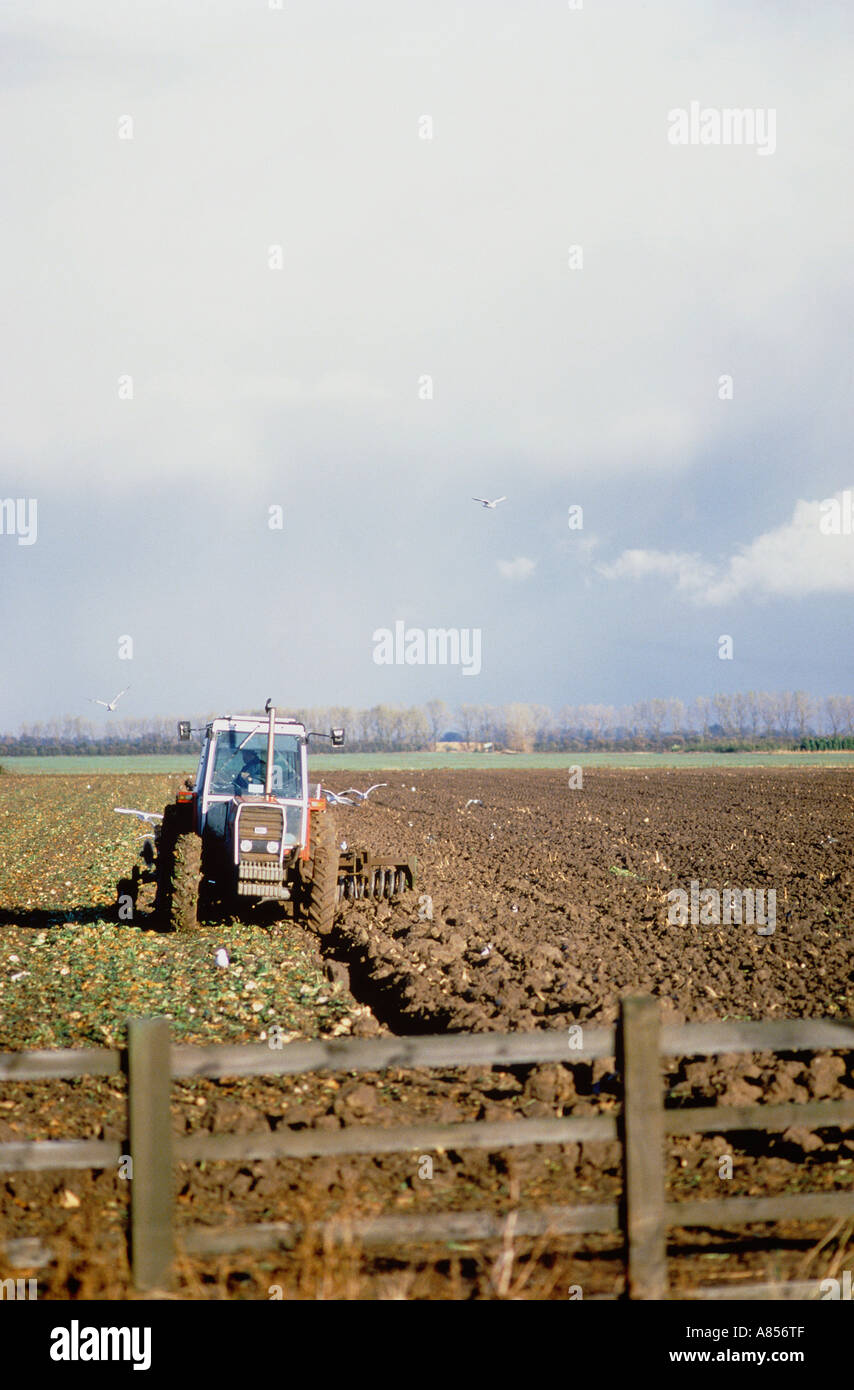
[(455, 743)]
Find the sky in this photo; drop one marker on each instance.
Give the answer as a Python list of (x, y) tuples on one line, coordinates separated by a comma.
[(346, 268)]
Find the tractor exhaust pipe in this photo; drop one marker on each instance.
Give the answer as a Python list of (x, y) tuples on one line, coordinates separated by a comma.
[(271, 736)]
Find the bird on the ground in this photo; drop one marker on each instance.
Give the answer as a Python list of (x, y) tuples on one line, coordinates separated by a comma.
[(111, 704), (485, 502)]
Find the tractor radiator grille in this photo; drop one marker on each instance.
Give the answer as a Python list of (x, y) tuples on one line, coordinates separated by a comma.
[(263, 890), (259, 872), (261, 822), (249, 888)]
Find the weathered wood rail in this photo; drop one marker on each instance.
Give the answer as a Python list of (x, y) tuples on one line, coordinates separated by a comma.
[(636, 1044)]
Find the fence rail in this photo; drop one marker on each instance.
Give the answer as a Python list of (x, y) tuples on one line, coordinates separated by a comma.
[(636, 1044), (43, 1154), (451, 1050)]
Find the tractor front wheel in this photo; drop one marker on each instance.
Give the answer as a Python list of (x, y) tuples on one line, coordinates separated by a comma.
[(186, 877), (322, 892)]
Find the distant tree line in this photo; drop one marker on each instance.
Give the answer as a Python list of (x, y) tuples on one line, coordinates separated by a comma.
[(744, 721)]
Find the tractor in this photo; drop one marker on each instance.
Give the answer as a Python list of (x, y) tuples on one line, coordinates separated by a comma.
[(246, 830)]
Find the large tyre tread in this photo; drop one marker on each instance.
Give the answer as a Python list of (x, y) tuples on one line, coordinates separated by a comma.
[(186, 878), (166, 838), (323, 885)]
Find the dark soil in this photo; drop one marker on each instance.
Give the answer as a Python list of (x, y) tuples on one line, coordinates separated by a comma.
[(538, 906)]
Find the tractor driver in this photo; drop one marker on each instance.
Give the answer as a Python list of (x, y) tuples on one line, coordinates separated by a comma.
[(251, 771)]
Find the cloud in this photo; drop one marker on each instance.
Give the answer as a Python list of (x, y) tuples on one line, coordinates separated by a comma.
[(160, 269), (794, 560), (520, 568), (688, 571)]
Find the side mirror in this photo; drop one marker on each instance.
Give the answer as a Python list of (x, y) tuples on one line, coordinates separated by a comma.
[(337, 736), (184, 730)]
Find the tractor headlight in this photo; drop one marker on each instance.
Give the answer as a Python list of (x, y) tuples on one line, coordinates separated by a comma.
[(245, 846), (272, 847)]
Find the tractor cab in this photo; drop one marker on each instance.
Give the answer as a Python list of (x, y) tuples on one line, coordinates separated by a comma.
[(238, 764), (251, 799), (250, 758)]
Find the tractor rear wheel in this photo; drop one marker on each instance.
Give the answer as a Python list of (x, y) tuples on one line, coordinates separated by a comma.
[(322, 891), (167, 833), (186, 877)]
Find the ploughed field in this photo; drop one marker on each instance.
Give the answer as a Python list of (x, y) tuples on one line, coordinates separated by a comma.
[(538, 906), (550, 902)]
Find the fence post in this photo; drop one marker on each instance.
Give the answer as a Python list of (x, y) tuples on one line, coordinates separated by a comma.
[(150, 1133), (643, 1148)]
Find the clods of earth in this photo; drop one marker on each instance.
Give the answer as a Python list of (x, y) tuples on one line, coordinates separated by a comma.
[(538, 905)]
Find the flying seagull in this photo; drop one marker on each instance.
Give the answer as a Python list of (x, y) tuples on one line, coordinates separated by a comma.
[(343, 798), (353, 791), (150, 817), (484, 501), (112, 703)]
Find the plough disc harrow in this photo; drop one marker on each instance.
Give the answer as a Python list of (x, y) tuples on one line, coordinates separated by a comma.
[(362, 875)]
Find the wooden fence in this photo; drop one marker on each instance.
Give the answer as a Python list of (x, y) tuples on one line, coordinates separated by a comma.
[(637, 1044)]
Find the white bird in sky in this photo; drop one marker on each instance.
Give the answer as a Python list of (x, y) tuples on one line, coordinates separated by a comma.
[(112, 703), (484, 501)]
